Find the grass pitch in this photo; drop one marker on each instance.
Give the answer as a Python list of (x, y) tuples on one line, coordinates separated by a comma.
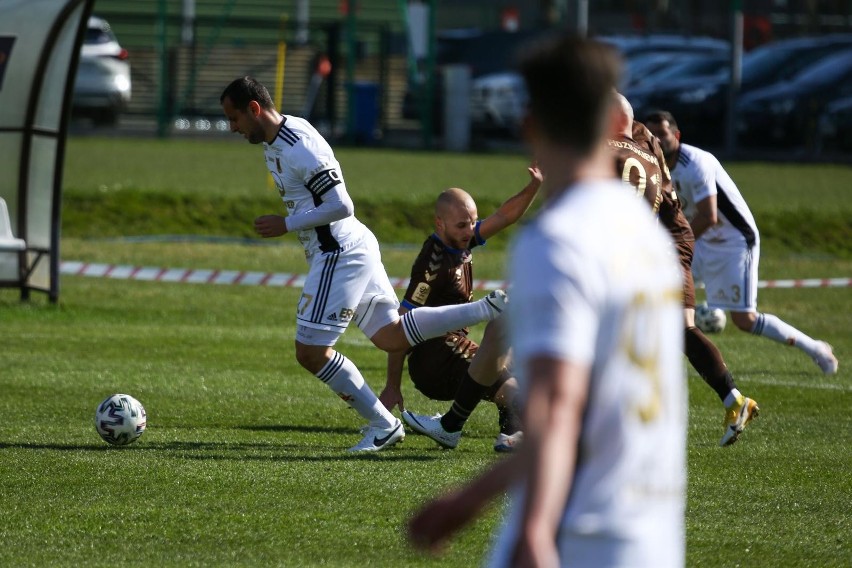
[(243, 463)]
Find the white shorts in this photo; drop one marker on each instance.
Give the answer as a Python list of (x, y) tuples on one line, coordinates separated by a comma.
[(729, 274), (343, 286)]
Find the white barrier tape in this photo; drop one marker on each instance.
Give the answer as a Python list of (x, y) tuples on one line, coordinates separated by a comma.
[(283, 279)]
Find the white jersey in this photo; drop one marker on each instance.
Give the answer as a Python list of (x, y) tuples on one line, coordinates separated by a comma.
[(698, 175), (595, 282), (311, 185)]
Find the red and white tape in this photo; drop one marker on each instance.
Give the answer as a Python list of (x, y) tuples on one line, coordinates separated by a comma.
[(283, 279)]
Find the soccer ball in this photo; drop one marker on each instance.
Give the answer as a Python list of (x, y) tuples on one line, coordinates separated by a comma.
[(710, 320), (120, 419)]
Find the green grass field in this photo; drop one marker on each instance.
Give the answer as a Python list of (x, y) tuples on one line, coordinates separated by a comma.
[(243, 463)]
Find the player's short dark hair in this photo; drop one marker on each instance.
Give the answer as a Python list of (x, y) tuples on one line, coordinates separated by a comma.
[(244, 90), (659, 116), (570, 82)]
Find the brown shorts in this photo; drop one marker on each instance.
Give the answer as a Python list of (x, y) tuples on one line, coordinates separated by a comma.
[(437, 366), (685, 251)]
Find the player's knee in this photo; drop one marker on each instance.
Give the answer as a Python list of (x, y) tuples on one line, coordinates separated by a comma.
[(312, 357), (390, 338), (744, 320)]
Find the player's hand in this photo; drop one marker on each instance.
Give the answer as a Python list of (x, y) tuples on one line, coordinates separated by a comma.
[(536, 177), (391, 397), (270, 226), (431, 527)]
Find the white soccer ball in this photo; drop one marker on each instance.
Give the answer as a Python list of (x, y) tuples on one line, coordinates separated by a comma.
[(120, 419), (710, 320)]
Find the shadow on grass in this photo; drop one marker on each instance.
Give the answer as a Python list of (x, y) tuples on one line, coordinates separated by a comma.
[(235, 451), (295, 428)]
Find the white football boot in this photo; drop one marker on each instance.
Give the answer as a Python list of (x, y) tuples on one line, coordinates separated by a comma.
[(377, 438), (431, 426)]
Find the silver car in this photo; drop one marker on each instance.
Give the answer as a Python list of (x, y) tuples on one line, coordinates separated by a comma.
[(102, 85), (498, 102)]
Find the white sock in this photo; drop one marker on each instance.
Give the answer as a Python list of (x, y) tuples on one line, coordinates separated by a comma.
[(425, 323), (734, 397), (773, 328), (342, 376)]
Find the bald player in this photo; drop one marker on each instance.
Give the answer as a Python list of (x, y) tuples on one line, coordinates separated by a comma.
[(454, 367), (640, 163)]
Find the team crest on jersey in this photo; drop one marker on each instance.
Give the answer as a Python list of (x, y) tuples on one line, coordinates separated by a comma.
[(421, 293)]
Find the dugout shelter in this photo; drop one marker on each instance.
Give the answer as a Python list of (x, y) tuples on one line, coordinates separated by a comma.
[(39, 49)]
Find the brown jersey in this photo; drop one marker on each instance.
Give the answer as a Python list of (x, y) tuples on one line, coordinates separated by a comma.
[(670, 211), (671, 214), (636, 166), (441, 276)]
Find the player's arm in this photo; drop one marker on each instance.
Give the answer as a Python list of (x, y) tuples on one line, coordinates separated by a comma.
[(706, 215), (391, 395), (703, 190), (336, 205), (513, 208), (553, 415), (556, 398), (325, 182), (432, 526)]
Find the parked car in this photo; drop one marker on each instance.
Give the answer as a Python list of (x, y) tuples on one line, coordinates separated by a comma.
[(633, 46), (681, 70), (787, 113), (700, 105), (498, 102), (835, 125), (102, 86), (485, 53)]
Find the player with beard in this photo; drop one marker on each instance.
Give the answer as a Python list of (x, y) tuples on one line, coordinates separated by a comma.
[(454, 367), (346, 279), (640, 162), (727, 248)]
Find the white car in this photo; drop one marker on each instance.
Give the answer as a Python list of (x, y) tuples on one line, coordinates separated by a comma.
[(102, 86), (498, 102)]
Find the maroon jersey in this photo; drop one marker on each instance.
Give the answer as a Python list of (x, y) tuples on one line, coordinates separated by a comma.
[(635, 165), (441, 276), (670, 211), (671, 215)]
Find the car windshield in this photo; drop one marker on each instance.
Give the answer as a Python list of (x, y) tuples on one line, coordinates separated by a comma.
[(827, 71), (694, 67), (761, 63), (97, 36)]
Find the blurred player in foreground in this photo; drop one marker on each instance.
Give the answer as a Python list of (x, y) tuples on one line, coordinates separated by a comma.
[(596, 329)]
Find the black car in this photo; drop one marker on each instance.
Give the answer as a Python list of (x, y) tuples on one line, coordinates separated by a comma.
[(787, 113), (835, 126), (680, 70), (700, 105)]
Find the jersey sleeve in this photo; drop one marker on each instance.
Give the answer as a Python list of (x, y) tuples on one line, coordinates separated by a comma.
[(701, 179), (322, 177)]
